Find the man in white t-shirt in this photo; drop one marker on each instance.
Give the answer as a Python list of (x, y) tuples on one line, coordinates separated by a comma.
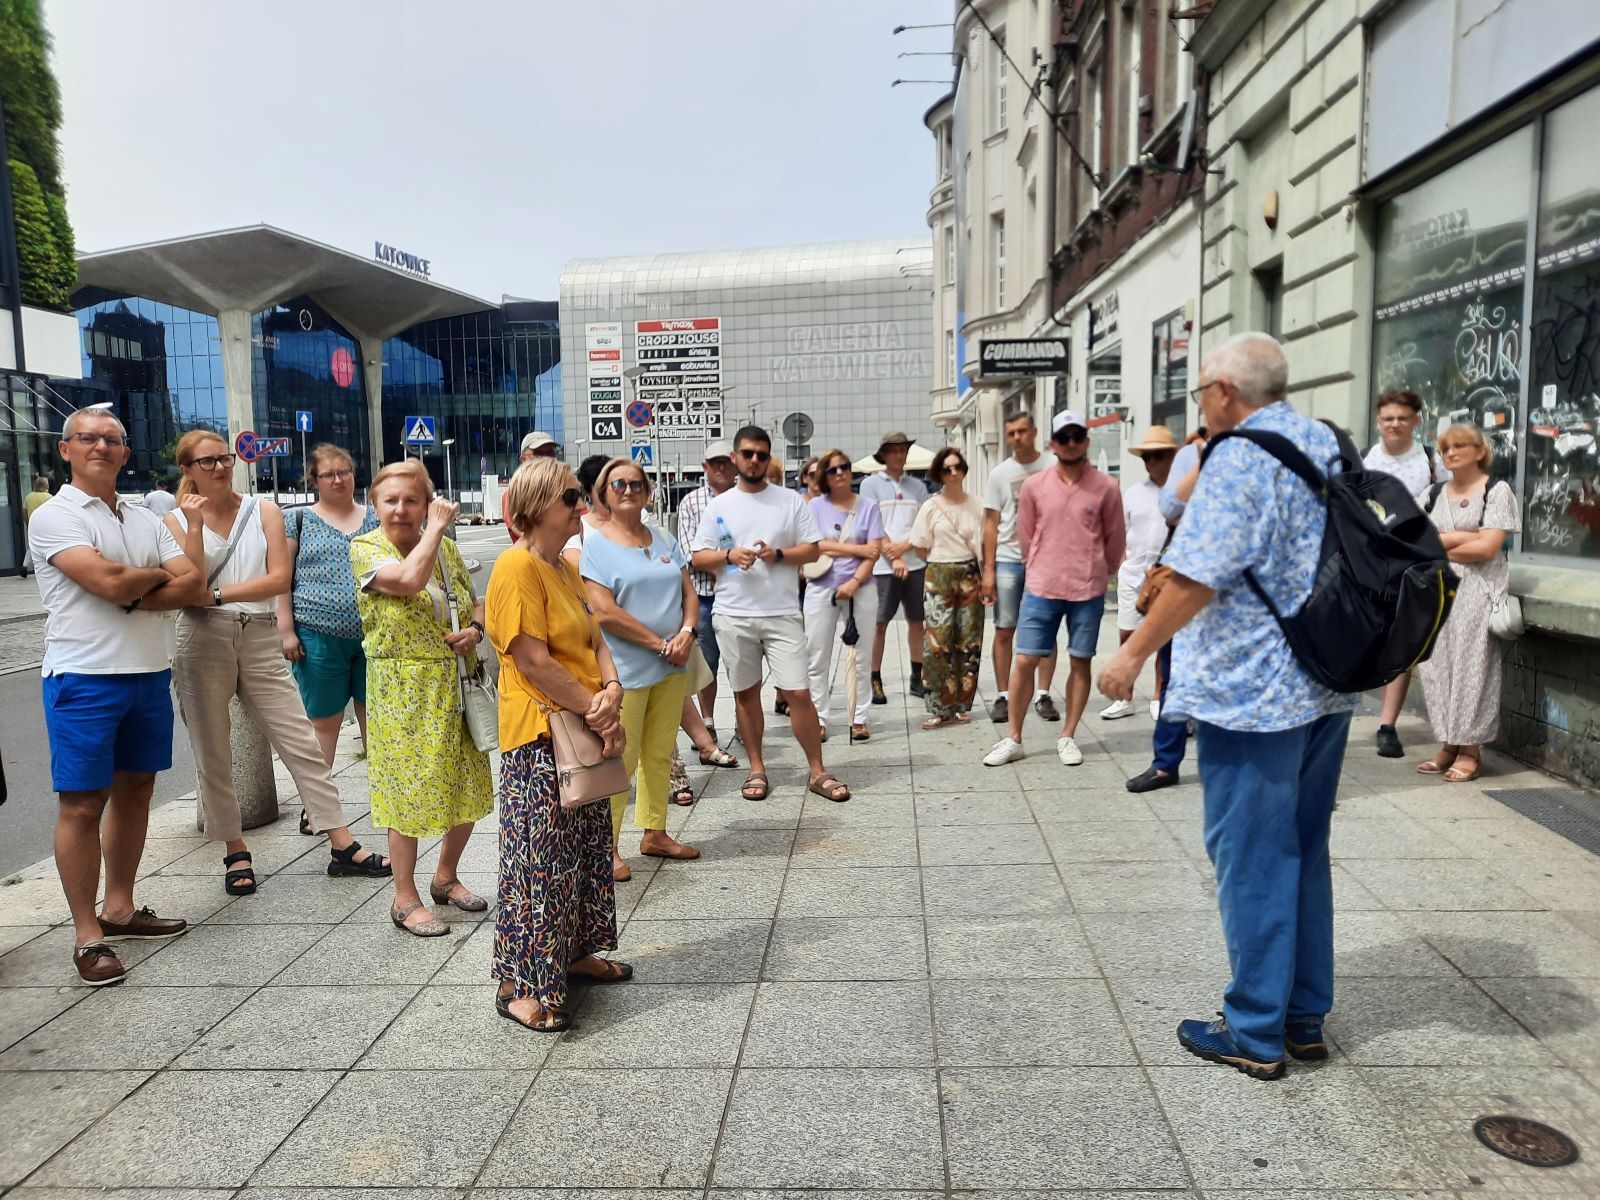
[(107, 570), (1397, 452), (754, 538), (1147, 535), (160, 499), (1004, 573), (899, 571)]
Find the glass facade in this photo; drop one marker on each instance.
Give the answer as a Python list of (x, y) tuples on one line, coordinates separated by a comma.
[(302, 360), (1459, 321), (839, 333)]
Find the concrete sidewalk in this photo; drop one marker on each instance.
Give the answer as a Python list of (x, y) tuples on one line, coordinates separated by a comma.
[(962, 982)]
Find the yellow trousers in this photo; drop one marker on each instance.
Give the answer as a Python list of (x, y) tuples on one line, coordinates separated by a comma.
[(650, 720)]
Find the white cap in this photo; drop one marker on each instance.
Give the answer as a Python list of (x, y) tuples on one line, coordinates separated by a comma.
[(1065, 418), (717, 450), (536, 439)]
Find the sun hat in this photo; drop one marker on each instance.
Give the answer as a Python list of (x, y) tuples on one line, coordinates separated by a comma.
[(1157, 439), (897, 437)]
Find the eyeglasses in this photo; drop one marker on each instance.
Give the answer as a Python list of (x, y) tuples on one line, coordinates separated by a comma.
[(210, 462), (755, 455), (1196, 393), (571, 497), (838, 469), (112, 441), (333, 476), (720, 464), (636, 486)]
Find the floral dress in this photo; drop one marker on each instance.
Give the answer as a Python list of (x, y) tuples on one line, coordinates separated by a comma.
[(1461, 679), (426, 775)]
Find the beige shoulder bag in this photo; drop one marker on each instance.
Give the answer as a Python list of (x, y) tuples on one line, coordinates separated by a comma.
[(584, 774)]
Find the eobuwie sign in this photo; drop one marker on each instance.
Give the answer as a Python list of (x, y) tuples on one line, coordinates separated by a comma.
[(1023, 356), (389, 256)]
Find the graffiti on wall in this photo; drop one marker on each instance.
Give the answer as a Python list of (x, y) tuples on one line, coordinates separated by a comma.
[(1563, 462)]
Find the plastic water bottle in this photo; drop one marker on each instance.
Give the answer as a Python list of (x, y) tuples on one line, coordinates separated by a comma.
[(725, 540)]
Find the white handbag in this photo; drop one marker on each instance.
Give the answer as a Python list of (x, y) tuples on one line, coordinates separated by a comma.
[(480, 699), (823, 563), (1505, 617)]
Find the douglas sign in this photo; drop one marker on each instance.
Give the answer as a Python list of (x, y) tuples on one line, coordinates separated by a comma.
[(389, 256)]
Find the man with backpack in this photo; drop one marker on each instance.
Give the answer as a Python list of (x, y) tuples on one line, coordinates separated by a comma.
[(1270, 739)]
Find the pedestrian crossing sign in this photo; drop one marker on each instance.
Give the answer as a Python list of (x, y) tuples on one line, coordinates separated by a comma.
[(420, 431), (640, 454)]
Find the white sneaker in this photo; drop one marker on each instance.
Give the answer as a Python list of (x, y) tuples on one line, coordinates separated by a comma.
[(1069, 754), (1155, 710), (1005, 751), (1117, 708)]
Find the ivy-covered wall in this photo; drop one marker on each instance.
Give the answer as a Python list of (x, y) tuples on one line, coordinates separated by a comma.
[(45, 249)]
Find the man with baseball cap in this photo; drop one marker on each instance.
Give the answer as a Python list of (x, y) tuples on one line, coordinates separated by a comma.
[(898, 572), (1070, 524), (538, 444), (1147, 535), (717, 463)]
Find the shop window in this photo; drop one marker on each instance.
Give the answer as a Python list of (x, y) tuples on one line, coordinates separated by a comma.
[(1169, 374), (1561, 493)]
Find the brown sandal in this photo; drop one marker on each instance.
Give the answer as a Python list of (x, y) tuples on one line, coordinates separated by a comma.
[(1462, 775), (1438, 764), (829, 788), (432, 927), (756, 786)]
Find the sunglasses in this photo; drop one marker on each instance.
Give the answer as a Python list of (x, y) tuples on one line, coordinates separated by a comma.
[(953, 466), (838, 469), (621, 486), (756, 455), (1068, 436), (571, 497), (210, 462)]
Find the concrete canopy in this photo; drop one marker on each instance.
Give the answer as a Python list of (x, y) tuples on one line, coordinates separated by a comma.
[(252, 268)]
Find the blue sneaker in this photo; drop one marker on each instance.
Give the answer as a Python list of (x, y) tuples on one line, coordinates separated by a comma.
[(1211, 1041), (1303, 1040)]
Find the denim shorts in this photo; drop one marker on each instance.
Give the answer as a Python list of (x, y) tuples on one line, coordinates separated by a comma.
[(333, 673), (708, 635), (101, 724), (1009, 578), (1040, 621)]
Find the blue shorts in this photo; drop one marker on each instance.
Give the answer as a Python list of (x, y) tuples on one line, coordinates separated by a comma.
[(101, 724), (333, 673), (1040, 620), (708, 635), (1008, 585)]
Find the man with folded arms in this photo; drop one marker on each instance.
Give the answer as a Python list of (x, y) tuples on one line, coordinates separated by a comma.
[(107, 569)]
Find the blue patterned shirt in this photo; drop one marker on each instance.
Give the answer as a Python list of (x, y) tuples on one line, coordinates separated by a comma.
[(324, 590), (1231, 664)]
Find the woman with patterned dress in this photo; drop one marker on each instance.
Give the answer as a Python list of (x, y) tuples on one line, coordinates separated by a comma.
[(948, 532), (318, 622), (1461, 679), (557, 898), (426, 776)]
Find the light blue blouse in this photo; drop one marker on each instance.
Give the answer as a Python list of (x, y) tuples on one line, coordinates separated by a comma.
[(649, 585)]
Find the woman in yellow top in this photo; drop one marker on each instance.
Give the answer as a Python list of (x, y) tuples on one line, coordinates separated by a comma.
[(427, 777), (557, 898)]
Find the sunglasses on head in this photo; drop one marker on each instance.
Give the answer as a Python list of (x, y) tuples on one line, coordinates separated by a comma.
[(571, 497), (756, 455), (619, 486)]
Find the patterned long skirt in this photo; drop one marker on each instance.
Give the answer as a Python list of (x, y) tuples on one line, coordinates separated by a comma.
[(952, 640), (557, 900)]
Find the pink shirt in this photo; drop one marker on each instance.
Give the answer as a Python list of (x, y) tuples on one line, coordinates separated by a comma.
[(1072, 534)]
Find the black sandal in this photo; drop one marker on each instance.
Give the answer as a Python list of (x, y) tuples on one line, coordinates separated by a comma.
[(242, 881), (305, 825), (343, 863), (553, 1021)]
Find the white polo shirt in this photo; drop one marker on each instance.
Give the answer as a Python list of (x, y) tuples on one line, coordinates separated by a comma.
[(83, 634)]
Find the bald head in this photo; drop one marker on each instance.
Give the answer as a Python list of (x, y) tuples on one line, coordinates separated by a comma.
[(1254, 364)]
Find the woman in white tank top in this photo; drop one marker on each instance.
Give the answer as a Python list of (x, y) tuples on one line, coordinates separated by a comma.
[(231, 648)]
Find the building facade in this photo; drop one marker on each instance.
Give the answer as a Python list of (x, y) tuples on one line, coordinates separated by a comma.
[(1407, 195), (824, 345)]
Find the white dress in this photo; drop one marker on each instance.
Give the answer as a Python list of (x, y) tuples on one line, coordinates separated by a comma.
[(1461, 680)]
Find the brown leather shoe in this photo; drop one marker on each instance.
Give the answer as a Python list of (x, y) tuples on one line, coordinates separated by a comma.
[(98, 964), (142, 926)]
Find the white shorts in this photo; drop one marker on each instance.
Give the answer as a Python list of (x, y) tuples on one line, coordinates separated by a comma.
[(750, 643), (1127, 596)]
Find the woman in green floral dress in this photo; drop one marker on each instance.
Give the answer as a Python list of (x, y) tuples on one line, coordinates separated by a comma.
[(426, 776)]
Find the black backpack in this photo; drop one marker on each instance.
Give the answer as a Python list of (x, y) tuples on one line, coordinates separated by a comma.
[(1383, 587)]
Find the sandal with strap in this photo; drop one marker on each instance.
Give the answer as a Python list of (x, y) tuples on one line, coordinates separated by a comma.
[(829, 788), (1438, 764), (679, 784), (717, 757), (432, 927), (553, 1020), (613, 972), (756, 786), (442, 893), (1463, 774), (241, 881), (305, 825), (343, 863)]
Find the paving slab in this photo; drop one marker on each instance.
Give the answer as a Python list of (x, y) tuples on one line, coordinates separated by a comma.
[(124, 1029), (855, 1024), (41, 1111), (1028, 889), (839, 948), (852, 892), (656, 1025), (298, 1028)]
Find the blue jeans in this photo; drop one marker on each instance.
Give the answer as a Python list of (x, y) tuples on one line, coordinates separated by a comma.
[(1171, 738), (1268, 804)]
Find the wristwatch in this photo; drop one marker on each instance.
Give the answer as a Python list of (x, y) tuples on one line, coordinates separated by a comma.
[(216, 597), (691, 631), (478, 625), (777, 554)]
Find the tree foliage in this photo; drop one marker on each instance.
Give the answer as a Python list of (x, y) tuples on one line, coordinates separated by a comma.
[(45, 245)]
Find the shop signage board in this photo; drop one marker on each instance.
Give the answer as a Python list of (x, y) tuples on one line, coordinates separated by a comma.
[(681, 377), (1023, 356), (602, 348)]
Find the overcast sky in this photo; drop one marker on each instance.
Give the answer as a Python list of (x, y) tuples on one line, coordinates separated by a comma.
[(497, 138)]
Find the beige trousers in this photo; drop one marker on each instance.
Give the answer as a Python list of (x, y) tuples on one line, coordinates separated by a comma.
[(219, 656)]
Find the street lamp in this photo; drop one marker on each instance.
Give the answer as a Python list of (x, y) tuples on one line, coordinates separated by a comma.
[(448, 489)]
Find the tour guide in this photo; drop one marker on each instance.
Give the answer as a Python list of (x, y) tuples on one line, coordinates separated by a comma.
[(1271, 741)]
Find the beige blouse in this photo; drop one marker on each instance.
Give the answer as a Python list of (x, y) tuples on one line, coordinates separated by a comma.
[(949, 533)]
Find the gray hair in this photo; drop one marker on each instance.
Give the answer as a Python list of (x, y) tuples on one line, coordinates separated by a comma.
[(1254, 364), (94, 411)]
